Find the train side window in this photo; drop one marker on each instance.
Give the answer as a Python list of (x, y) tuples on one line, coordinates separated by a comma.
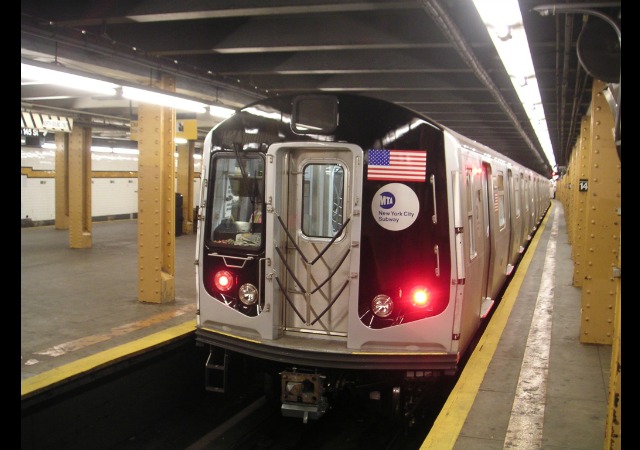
[(499, 190), (322, 200), (470, 207)]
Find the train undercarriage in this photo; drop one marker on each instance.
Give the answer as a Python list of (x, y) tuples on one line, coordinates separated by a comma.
[(309, 393)]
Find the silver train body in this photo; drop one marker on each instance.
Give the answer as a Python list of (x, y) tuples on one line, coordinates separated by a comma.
[(340, 234)]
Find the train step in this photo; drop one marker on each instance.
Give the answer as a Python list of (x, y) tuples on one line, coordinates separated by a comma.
[(216, 370)]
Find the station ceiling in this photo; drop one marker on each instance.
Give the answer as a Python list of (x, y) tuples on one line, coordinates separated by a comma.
[(433, 56)]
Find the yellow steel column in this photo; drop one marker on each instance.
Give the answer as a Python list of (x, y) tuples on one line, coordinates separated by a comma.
[(569, 200), (613, 433), (62, 181), (572, 172), (190, 197), (79, 171), (185, 184), (602, 226), (562, 194), (583, 169), (156, 201)]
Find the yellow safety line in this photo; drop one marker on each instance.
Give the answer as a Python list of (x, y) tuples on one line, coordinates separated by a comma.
[(446, 428), (84, 365), (79, 344)]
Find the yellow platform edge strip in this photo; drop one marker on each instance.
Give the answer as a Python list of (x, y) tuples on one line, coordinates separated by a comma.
[(84, 365)]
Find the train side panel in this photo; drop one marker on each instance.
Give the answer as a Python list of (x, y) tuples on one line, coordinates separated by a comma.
[(469, 277)]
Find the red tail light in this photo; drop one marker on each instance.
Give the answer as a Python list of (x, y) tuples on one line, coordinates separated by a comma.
[(223, 279), (420, 296)]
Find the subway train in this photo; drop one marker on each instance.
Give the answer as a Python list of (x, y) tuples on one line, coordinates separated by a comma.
[(349, 241)]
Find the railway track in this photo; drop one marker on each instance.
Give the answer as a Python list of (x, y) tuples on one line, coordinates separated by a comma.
[(351, 424)]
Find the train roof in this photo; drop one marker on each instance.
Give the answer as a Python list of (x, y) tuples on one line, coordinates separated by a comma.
[(360, 119)]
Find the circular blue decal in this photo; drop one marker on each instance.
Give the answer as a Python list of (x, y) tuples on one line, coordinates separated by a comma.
[(395, 206), (387, 200)]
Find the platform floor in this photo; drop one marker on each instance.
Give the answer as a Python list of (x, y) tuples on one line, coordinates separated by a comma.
[(530, 384), (79, 303)]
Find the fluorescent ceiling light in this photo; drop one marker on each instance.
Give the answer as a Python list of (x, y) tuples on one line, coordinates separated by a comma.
[(101, 149), (221, 111), (41, 75), (156, 98), (125, 151), (66, 79), (116, 150), (504, 24)]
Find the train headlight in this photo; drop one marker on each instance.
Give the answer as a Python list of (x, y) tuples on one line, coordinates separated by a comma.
[(382, 305), (248, 294), (223, 280), (419, 297)]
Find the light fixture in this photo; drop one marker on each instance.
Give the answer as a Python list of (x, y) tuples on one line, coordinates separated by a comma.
[(115, 150), (101, 149), (503, 20), (66, 79), (59, 77), (221, 111), (125, 151), (160, 99)]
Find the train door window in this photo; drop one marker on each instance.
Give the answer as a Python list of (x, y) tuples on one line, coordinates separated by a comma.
[(499, 193), (322, 200), (470, 207), (236, 200)]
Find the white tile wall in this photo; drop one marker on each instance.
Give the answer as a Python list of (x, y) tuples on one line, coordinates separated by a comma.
[(109, 196)]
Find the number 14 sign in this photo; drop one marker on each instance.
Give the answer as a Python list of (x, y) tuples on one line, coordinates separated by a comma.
[(584, 185)]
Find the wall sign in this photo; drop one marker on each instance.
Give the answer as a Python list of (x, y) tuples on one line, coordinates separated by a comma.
[(583, 186)]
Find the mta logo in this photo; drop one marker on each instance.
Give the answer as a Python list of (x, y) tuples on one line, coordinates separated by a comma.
[(387, 200)]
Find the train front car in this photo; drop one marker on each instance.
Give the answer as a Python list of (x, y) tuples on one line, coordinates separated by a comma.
[(326, 245)]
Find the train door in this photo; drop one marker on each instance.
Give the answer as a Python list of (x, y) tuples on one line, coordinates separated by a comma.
[(513, 220), (486, 201), (313, 220), (528, 220)]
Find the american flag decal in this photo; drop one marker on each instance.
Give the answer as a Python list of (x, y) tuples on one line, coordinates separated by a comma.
[(397, 165)]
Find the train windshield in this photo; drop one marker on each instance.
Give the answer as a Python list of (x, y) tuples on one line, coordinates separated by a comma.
[(237, 198)]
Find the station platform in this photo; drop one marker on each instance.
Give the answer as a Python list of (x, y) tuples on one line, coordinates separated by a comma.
[(80, 309), (529, 384)]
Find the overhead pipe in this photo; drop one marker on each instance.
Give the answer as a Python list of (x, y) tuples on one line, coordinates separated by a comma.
[(586, 8)]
